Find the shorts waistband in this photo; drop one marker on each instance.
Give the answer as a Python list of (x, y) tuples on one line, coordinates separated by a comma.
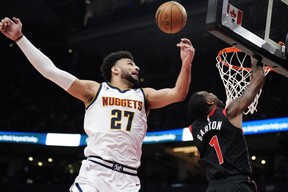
[(113, 165), (231, 178)]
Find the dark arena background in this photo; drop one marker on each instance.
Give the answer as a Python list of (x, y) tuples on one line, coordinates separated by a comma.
[(76, 35)]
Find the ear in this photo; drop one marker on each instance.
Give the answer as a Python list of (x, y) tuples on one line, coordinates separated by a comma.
[(115, 70), (210, 102)]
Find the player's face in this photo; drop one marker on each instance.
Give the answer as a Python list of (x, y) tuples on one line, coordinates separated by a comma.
[(129, 70), (213, 98)]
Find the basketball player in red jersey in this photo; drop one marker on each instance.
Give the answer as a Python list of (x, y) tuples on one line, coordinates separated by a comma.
[(218, 136), (116, 114)]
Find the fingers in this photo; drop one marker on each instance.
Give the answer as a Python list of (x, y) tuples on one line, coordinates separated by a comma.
[(6, 21), (4, 24), (16, 20), (185, 43), (186, 47)]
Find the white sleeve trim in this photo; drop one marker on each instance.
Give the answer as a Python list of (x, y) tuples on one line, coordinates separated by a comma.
[(44, 65)]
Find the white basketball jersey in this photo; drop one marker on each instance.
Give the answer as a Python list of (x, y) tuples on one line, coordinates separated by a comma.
[(116, 124)]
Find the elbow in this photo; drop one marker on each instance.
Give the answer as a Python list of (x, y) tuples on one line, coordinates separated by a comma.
[(181, 97), (183, 94), (48, 74), (179, 94)]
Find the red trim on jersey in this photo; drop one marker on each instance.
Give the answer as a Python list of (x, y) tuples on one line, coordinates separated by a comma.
[(224, 112), (212, 112), (190, 128)]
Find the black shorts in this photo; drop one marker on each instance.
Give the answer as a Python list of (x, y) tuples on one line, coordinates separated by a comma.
[(232, 183)]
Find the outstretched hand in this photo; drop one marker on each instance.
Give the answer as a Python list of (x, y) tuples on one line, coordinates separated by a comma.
[(257, 68), (11, 28), (187, 51)]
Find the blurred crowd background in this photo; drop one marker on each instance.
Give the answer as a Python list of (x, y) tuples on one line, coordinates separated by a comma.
[(30, 103)]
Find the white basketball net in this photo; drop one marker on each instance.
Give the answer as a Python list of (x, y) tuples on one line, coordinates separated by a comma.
[(235, 74)]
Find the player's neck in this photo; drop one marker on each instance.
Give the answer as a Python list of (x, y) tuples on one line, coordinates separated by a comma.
[(122, 85)]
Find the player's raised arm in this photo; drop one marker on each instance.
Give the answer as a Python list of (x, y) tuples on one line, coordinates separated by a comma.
[(236, 108), (83, 90), (166, 96)]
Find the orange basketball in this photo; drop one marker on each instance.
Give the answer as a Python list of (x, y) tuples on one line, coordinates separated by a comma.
[(171, 17)]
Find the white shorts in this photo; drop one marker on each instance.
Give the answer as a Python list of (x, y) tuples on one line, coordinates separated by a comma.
[(97, 178)]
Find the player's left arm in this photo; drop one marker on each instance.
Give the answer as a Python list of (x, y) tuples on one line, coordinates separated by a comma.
[(166, 96), (236, 108)]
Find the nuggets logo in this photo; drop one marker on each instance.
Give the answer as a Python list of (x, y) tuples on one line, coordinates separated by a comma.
[(112, 101)]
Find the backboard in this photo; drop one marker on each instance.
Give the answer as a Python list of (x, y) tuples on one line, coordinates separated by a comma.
[(254, 26)]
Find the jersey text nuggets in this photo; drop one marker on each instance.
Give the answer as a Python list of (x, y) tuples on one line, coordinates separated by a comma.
[(112, 101), (214, 125)]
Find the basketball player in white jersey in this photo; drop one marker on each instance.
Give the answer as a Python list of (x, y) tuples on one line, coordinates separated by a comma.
[(116, 114)]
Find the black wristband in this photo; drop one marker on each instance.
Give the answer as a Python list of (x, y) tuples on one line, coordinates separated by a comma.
[(18, 38)]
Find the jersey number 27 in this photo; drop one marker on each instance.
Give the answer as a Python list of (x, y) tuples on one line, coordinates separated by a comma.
[(117, 121)]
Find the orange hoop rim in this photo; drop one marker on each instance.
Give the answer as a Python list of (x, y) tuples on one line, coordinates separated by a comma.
[(234, 50)]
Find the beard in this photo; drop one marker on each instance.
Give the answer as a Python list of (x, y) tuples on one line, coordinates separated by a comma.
[(130, 78)]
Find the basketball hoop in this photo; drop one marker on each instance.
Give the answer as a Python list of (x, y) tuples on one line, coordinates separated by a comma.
[(235, 70)]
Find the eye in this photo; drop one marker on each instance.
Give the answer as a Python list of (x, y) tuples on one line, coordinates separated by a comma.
[(131, 63)]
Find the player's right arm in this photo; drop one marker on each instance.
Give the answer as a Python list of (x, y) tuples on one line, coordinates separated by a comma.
[(166, 96), (236, 108), (84, 90)]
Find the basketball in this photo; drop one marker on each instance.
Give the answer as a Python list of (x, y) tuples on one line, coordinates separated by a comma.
[(171, 17)]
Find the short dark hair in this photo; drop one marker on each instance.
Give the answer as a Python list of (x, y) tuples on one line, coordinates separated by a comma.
[(110, 60), (198, 107)]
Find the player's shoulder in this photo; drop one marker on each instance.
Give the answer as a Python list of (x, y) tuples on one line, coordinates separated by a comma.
[(148, 90)]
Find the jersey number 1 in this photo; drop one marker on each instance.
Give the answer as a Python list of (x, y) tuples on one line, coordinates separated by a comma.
[(215, 144)]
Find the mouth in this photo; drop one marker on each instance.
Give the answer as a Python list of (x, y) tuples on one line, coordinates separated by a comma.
[(135, 75)]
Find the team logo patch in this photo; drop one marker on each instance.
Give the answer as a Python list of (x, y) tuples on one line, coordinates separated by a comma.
[(117, 167)]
